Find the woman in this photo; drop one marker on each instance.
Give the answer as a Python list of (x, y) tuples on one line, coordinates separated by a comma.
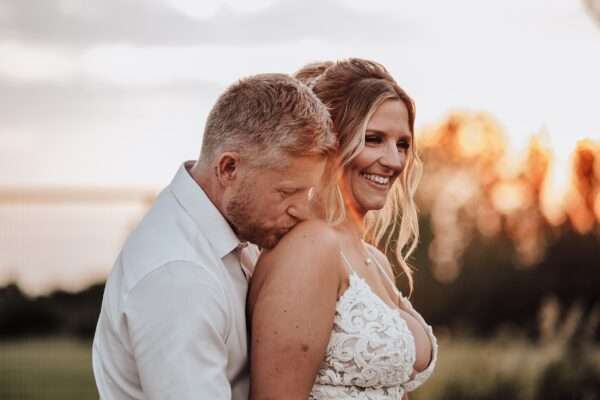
[(327, 320)]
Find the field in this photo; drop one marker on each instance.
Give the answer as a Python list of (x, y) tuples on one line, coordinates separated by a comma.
[(504, 368), (512, 368), (46, 369)]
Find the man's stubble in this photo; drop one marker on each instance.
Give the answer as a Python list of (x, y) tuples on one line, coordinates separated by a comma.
[(242, 213)]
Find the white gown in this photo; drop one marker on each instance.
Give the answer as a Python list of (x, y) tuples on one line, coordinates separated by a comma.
[(371, 352)]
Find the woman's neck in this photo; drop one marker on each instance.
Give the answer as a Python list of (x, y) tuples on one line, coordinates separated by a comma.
[(353, 224)]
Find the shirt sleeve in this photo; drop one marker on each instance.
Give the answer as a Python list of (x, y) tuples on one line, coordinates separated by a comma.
[(178, 326)]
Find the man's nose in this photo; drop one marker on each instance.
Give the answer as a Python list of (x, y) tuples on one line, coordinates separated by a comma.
[(300, 209)]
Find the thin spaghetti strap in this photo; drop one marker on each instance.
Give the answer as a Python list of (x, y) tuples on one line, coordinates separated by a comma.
[(384, 272), (348, 265)]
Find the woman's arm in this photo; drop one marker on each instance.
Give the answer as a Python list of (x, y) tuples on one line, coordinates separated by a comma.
[(291, 309)]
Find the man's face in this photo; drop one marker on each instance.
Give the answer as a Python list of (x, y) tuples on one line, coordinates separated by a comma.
[(266, 203)]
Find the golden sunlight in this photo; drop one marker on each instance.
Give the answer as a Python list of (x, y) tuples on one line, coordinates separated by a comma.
[(476, 184)]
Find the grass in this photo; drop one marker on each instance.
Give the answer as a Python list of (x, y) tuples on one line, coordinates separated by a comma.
[(468, 369), (46, 369), (510, 368)]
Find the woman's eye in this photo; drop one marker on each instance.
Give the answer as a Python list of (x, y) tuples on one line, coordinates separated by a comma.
[(403, 145), (373, 139)]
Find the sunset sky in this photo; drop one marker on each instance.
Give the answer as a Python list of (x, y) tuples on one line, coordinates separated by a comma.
[(113, 94)]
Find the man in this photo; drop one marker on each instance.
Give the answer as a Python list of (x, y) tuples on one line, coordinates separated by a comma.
[(172, 324)]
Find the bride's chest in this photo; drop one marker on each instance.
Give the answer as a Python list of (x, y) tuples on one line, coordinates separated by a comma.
[(370, 341)]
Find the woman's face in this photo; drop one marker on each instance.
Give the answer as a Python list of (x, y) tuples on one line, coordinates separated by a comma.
[(368, 178)]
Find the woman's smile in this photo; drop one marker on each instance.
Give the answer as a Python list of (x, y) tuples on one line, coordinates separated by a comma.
[(378, 181)]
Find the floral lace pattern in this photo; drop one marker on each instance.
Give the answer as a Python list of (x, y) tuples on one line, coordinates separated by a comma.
[(371, 351)]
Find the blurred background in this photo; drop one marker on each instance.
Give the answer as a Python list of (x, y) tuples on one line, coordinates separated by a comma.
[(100, 102)]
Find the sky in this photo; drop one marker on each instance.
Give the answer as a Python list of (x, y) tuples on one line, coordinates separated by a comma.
[(111, 96), (115, 93)]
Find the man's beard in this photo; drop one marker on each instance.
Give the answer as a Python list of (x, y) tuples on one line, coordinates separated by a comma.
[(241, 213)]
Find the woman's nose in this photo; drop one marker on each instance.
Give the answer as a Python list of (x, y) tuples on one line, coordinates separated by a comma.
[(393, 158)]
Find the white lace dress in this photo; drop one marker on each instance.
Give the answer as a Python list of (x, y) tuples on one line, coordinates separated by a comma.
[(371, 352)]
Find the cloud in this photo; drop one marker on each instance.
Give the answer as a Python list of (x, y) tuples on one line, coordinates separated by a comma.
[(155, 22), (159, 65), (86, 134), (67, 22), (34, 103), (36, 63)]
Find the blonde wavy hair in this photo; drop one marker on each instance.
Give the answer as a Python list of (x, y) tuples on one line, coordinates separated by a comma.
[(352, 90)]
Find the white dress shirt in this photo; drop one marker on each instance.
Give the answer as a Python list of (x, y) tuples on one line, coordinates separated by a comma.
[(172, 324)]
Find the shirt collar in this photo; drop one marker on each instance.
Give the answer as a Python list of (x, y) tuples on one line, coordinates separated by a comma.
[(203, 212)]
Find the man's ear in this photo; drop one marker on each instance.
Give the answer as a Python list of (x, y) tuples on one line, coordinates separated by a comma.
[(227, 167)]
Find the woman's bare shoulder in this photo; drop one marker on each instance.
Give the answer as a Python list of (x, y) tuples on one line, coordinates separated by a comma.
[(310, 249), (316, 228), (315, 235)]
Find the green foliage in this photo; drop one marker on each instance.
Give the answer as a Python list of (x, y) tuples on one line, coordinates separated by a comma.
[(573, 377), (500, 389), (513, 368), (508, 367)]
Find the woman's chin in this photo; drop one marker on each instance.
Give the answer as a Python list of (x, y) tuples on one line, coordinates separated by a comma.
[(373, 205)]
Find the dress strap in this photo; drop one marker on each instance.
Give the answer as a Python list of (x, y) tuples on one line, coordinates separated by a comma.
[(383, 271), (348, 265)]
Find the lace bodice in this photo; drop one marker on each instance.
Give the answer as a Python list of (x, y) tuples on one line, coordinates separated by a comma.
[(371, 351)]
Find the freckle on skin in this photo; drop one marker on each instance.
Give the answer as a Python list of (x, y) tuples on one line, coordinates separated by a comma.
[(304, 348)]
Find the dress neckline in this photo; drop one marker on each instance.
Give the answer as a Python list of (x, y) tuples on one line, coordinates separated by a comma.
[(416, 375), (356, 275), (352, 271)]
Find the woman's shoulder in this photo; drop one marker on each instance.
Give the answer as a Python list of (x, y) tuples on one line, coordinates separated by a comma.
[(307, 257), (312, 239), (312, 244), (314, 229)]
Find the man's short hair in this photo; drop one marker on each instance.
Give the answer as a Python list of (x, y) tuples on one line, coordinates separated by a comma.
[(267, 117)]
